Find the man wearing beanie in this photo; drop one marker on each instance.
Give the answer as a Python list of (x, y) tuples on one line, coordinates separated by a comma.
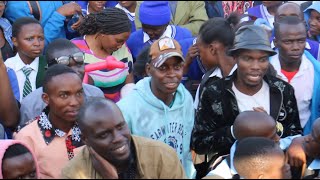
[(155, 17), (187, 14), (249, 88)]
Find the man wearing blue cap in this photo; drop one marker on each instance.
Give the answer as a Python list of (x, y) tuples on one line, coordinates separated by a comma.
[(155, 17), (249, 88)]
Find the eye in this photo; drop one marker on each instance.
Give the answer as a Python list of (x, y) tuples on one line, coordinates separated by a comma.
[(29, 39), (264, 59), (162, 68), (63, 95), (178, 66), (80, 93)]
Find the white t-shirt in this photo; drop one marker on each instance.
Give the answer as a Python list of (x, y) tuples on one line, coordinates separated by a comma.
[(260, 99)]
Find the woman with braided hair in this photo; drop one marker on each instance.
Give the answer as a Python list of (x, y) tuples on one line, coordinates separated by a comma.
[(104, 34)]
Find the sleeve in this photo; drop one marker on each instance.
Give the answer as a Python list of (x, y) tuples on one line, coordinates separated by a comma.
[(197, 16), (54, 27), (137, 21), (211, 132), (14, 83)]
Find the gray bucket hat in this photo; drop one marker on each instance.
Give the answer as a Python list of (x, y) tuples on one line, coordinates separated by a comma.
[(252, 37)]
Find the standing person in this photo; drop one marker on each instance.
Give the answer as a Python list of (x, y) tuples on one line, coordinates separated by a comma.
[(186, 14), (129, 7), (248, 88), (105, 34), (160, 106), (293, 9), (297, 67), (50, 14), (111, 152), (312, 15), (266, 11), (59, 51), (54, 136), (28, 64), (155, 19), (17, 161)]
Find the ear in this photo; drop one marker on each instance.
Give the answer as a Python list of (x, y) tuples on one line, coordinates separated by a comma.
[(45, 98), (14, 41), (97, 35), (148, 69), (213, 48)]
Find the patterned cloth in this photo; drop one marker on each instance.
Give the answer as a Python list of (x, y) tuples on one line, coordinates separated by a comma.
[(235, 6), (27, 89)]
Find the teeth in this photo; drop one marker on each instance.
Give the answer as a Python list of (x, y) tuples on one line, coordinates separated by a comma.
[(120, 149)]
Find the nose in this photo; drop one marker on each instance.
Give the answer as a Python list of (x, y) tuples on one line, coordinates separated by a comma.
[(36, 42), (312, 22), (255, 65), (117, 137), (295, 46)]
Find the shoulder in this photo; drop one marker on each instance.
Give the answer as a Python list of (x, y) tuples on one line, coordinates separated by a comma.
[(283, 86), (28, 129), (80, 163)]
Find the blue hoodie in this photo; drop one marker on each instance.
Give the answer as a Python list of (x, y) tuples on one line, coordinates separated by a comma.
[(315, 6), (148, 116)]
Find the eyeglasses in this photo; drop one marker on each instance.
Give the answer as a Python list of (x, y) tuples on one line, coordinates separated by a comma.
[(77, 57), (279, 127)]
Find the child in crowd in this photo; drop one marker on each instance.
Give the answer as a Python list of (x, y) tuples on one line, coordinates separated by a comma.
[(28, 64), (312, 16), (260, 158), (17, 161), (129, 7)]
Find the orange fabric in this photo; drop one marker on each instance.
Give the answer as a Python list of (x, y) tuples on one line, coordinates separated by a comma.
[(289, 75)]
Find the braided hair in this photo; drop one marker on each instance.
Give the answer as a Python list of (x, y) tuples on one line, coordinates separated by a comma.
[(111, 21)]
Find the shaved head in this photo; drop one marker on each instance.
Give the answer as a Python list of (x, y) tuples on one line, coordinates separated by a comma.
[(289, 9), (252, 123)]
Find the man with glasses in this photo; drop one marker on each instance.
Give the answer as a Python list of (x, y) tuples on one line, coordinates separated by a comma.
[(60, 51), (249, 88), (160, 107)]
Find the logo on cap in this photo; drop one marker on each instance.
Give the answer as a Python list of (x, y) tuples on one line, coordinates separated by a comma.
[(166, 43)]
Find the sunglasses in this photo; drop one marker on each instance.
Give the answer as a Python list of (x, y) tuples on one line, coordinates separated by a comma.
[(77, 57), (279, 127)]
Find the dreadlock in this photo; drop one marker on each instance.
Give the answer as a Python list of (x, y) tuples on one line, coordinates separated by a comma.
[(111, 21)]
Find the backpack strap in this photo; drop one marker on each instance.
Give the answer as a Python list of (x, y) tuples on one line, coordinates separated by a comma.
[(35, 10)]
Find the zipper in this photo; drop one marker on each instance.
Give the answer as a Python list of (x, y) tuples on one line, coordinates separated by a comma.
[(281, 103)]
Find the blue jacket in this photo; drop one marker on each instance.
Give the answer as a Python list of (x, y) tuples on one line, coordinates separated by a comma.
[(314, 6), (148, 116), (135, 42), (196, 69), (315, 104), (51, 21)]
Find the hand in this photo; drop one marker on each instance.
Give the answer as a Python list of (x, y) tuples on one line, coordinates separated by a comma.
[(193, 51), (295, 153), (102, 166), (78, 23), (69, 9), (259, 109)]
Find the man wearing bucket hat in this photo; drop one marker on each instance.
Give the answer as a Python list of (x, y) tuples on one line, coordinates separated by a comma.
[(249, 88), (160, 107)]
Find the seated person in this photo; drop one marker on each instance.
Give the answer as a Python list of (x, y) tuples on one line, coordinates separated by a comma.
[(260, 158), (155, 17), (54, 136), (111, 152), (17, 161), (248, 124), (6, 44), (60, 51)]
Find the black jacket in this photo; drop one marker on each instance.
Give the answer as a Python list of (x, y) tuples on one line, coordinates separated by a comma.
[(218, 109)]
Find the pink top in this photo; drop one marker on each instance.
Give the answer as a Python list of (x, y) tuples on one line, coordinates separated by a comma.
[(50, 150)]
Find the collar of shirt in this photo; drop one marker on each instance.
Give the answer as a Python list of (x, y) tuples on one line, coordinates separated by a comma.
[(304, 66), (315, 164), (20, 64), (132, 15), (217, 72), (167, 33), (87, 10), (307, 45), (232, 151)]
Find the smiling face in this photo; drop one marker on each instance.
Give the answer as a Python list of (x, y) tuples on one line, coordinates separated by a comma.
[(252, 66), (166, 78), (97, 6), (29, 42), (64, 96), (108, 135)]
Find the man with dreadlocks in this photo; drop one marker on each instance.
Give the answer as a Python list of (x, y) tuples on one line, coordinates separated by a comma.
[(104, 34)]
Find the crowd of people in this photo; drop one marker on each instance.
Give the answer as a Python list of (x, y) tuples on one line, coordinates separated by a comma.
[(160, 89)]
